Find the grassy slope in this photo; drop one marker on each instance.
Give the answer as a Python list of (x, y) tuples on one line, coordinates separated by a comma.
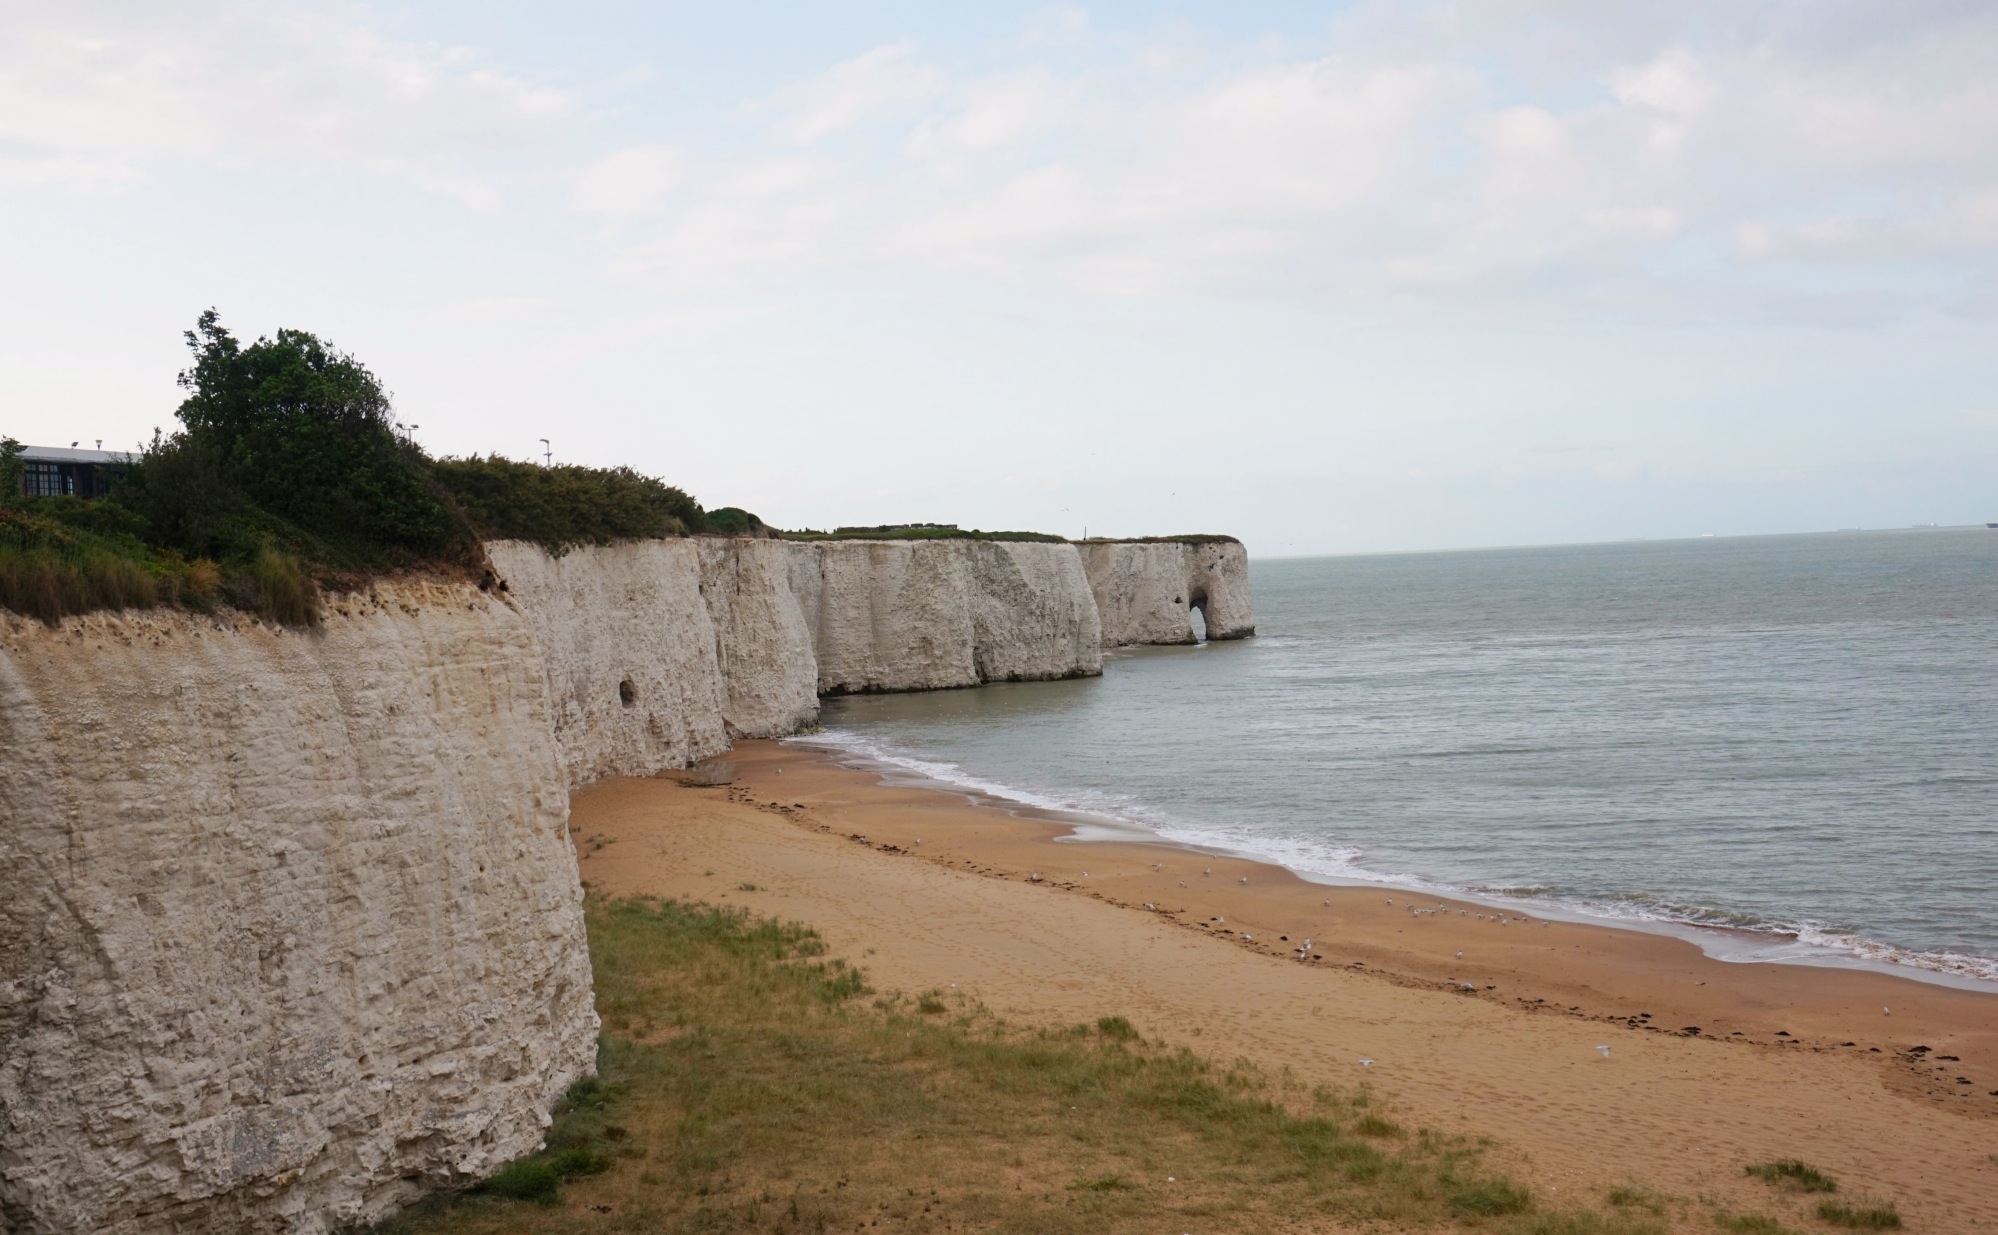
[(750, 1084)]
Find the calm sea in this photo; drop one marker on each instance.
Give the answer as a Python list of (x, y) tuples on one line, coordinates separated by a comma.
[(1794, 737)]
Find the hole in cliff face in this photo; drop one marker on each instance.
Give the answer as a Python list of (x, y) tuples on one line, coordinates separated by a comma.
[(627, 694), (1196, 611)]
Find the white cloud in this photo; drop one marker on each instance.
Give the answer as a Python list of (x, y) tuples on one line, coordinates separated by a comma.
[(494, 309), (1563, 156), (1459, 160), (885, 81), (629, 180), (1674, 82), (97, 92)]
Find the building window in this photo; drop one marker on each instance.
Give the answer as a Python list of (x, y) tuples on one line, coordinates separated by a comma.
[(43, 480)]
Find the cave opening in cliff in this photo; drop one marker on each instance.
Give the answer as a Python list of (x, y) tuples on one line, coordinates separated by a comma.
[(627, 693), (1196, 612)]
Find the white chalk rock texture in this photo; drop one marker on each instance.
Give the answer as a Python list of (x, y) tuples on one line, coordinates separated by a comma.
[(1032, 615), (633, 671), (900, 615), (763, 650), (291, 929), (1146, 590)]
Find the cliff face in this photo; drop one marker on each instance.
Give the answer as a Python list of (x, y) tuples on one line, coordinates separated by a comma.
[(1218, 579), (661, 651), (1032, 615), (896, 615), (632, 666), (1146, 591), (292, 928), (763, 649)]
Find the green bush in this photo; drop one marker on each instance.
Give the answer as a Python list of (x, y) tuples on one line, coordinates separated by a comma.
[(1751, 1224), (12, 469), (526, 1179), (559, 508), (1793, 1175), (1860, 1217), (1491, 1197), (735, 521), (275, 584), (1116, 1028), (305, 433), (49, 570)]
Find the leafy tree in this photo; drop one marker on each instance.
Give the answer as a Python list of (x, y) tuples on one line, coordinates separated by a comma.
[(11, 471), (302, 431)]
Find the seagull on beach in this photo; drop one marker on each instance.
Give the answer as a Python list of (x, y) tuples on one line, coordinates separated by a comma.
[(1366, 1063), (1604, 1050), (1460, 954)]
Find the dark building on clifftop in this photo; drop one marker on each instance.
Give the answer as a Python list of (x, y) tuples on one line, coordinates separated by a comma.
[(53, 471)]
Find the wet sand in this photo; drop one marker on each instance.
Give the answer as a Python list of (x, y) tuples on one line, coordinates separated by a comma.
[(1711, 1065)]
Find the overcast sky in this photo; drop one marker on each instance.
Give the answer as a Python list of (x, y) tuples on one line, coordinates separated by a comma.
[(1332, 277)]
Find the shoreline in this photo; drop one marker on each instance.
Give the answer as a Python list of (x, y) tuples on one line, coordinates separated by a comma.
[(1768, 1076), (1734, 945), (1878, 1011)]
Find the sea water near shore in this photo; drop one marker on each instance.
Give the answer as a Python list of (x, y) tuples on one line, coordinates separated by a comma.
[(1791, 738)]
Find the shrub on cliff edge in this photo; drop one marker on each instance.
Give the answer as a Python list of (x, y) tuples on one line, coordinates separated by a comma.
[(559, 508), (288, 438)]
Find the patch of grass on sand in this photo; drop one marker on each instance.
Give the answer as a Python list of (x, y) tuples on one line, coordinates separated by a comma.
[(1751, 1224), (1860, 1217), (1794, 1175), (750, 1084), (1630, 1197)]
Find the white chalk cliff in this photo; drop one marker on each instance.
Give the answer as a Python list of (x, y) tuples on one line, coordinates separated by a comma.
[(292, 930), (898, 615), (1146, 590)]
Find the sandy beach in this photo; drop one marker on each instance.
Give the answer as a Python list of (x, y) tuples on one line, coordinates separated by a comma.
[(1474, 1023)]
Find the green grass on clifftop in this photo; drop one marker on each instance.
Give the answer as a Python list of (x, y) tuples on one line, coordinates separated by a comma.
[(562, 507), (749, 1083), (920, 531)]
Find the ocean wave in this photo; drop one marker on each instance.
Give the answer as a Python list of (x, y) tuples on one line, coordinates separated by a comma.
[(1730, 935)]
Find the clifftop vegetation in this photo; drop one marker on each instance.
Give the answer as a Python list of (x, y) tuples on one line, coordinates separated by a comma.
[(289, 471), (919, 531), (562, 507)]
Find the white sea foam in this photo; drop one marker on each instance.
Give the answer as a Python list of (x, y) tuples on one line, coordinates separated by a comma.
[(1098, 816)]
